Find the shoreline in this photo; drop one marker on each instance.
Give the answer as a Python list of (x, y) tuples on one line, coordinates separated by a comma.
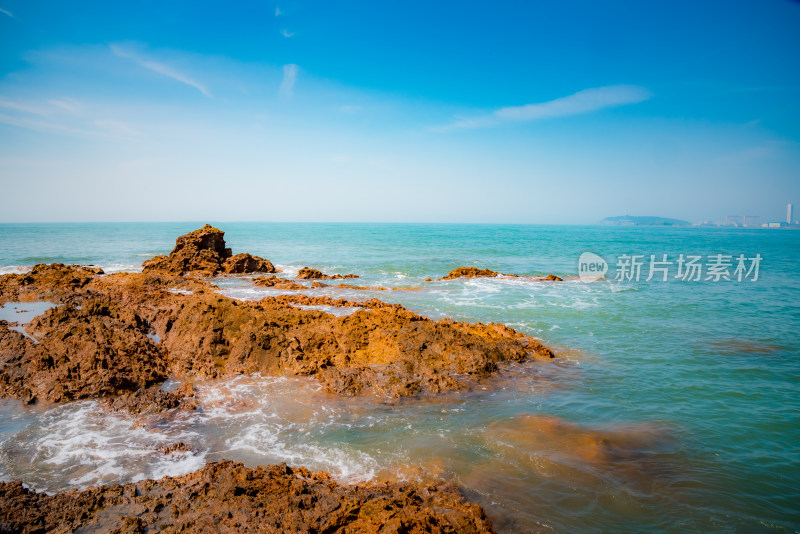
[(118, 337)]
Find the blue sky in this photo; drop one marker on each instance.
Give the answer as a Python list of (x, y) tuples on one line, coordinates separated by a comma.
[(521, 112)]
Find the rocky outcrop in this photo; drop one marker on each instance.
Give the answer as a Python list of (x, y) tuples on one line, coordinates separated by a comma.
[(474, 272), (203, 252), (93, 351), (151, 400), (118, 334), (277, 283), (98, 344), (245, 263), (307, 273), (228, 497), (53, 281), (470, 272)]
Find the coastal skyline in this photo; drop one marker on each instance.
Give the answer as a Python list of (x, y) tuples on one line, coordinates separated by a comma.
[(454, 112)]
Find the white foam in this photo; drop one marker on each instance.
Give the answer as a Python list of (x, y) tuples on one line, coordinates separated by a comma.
[(79, 445), (15, 269), (179, 291), (338, 311), (121, 268), (278, 419)]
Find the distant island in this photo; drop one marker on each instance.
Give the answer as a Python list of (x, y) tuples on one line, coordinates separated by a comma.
[(631, 220)]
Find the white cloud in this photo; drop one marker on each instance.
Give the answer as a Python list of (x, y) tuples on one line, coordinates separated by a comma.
[(66, 104), (160, 68), (278, 12), (116, 128), (289, 79), (580, 103), (6, 12), (25, 108), (286, 33)]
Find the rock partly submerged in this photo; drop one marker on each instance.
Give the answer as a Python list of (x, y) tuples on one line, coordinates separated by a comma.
[(307, 273), (474, 272), (118, 337), (116, 334), (229, 497), (203, 252)]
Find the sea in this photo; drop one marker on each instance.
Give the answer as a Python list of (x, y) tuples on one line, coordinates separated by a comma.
[(673, 404)]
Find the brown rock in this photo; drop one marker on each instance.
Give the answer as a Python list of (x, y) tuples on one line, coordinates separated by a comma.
[(277, 283), (203, 252), (245, 263), (228, 497), (91, 352), (553, 278), (95, 343), (151, 400), (176, 447), (307, 273), (469, 272), (46, 282)]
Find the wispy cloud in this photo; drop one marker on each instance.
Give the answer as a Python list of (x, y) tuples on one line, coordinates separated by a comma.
[(286, 33), (580, 103), (17, 106), (41, 126), (6, 12), (66, 104), (278, 12), (117, 128), (159, 68), (289, 79)]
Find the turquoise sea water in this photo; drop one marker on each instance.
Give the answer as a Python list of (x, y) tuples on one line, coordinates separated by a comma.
[(674, 406)]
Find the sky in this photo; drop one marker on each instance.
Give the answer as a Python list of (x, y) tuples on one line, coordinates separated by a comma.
[(398, 111)]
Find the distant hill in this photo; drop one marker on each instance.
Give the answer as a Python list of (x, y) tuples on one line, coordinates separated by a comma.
[(631, 220)]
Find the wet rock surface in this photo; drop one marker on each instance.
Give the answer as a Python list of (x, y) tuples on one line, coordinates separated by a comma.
[(116, 334), (228, 497), (118, 337), (277, 283), (307, 273), (203, 252), (470, 272)]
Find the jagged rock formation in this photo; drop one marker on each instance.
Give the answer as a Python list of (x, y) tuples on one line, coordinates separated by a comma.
[(307, 273), (228, 497), (203, 252), (469, 272)]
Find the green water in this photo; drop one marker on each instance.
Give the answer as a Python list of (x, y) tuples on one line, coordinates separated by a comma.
[(691, 389)]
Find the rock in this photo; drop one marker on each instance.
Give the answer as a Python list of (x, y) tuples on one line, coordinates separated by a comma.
[(46, 282), (277, 283), (228, 497), (245, 263), (96, 351), (151, 400), (307, 273), (553, 278), (95, 343), (469, 272), (176, 447), (203, 252)]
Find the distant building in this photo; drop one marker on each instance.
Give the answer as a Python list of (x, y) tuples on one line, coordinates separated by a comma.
[(789, 213)]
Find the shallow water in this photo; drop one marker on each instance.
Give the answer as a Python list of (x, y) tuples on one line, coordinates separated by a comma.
[(673, 406)]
